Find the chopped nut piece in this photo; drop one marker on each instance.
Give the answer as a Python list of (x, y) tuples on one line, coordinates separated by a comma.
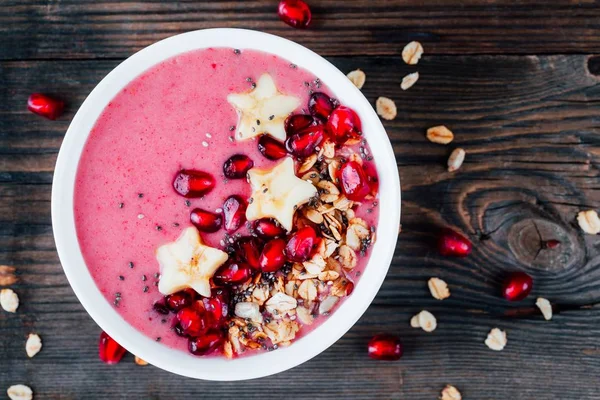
[(357, 77), (343, 204), (20, 392), (281, 303), (228, 350), (589, 222), (260, 295), (340, 287), (348, 257), (438, 288), (440, 134), (327, 304), (7, 275), (456, 159), (424, 320), (330, 247), (496, 339), (304, 315), (9, 300), (328, 149), (33, 345), (545, 307), (281, 330), (315, 265), (333, 168), (250, 311), (313, 215), (386, 108), (409, 80), (412, 52), (308, 290), (141, 362), (329, 192), (307, 164), (311, 176), (358, 230), (450, 393)]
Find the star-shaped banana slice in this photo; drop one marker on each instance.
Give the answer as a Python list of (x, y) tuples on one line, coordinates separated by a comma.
[(277, 193), (188, 263), (263, 110)]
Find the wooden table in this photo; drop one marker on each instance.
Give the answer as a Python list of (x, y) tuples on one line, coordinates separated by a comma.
[(519, 84)]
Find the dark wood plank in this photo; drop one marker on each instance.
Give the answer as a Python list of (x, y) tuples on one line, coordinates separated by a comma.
[(530, 126), (108, 28)]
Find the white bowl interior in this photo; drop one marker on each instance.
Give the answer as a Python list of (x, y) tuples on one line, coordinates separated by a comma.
[(216, 368)]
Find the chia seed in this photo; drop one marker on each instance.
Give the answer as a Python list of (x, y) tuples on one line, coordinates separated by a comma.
[(164, 321), (248, 79), (121, 205), (250, 200), (144, 278), (187, 203), (175, 224), (271, 117), (146, 289), (140, 195), (306, 84), (158, 339), (253, 85), (237, 52), (130, 264), (293, 66), (265, 190), (156, 275), (232, 128), (158, 228), (258, 122), (121, 278)]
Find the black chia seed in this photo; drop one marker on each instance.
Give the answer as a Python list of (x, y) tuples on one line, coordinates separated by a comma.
[(146, 289), (232, 128), (253, 85), (144, 278), (121, 205), (121, 278), (158, 228), (175, 224), (271, 117), (258, 122), (158, 339), (293, 66), (188, 203), (140, 195), (237, 52), (130, 264), (156, 274), (248, 79)]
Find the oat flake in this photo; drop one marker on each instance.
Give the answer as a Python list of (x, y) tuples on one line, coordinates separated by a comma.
[(33, 345), (386, 108), (450, 393), (545, 307), (409, 80), (9, 300), (357, 77), (412, 52), (20, 392), (589, 222), (496, 339)]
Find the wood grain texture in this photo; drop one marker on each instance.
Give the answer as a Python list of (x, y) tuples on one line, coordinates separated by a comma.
[(530, 125), (36, 29)]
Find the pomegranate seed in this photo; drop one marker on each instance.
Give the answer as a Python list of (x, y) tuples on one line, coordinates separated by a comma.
[(45, 106), (298, 122), (550, 244), (179, 330), (453, 244), (372, 178), (232, 273), (160, 308), (237, 166), (192, 183), (110, 351), (234, 210), (272, 257), (320, 105), (517, 286), (349, 288), (193, 322), (206, 343), (206, 221), (268, 228), (295, 13), (343, 124), (304, 143), (301, 244), (217, 305), (354, 181), (271, 148), (385, 347), (249, 251), (179, 300)]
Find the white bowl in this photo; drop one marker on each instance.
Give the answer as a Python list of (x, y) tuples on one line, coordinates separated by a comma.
[(177, 361)]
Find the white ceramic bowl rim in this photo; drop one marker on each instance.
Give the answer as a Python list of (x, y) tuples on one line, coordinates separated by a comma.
[(216, 368)]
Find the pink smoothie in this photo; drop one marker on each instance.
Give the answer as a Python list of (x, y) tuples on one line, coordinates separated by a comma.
[(173, 116)]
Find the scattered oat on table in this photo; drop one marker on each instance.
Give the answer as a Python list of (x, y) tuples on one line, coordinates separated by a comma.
[(357, 77), (7, 275), (450, 393), (440, 134), (496, 339), (438, 288), (409, 80), (424, 320), (140, 361), (456, 159), (386, 108), (9, 300), (33, 345), (589, 221), (19, 392), (545, 307), (412, 52)]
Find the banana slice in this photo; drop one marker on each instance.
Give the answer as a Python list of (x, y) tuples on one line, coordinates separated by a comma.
[(188, 263), (263, 110), (277, 193)]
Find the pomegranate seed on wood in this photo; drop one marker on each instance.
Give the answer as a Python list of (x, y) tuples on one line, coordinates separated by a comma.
[(451, 243), (343, 124), (272, 257), (320, 105), (295, 13), (517, 286), (206, 221), (354, 181), (45, 106), (234, 211), (301, 244), (268, 228), (206, 343), (237, 166), (110, 351), (192, 183), (385, 347), (271, 148)]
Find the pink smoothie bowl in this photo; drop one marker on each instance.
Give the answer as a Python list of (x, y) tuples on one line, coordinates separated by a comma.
[(177, 361)]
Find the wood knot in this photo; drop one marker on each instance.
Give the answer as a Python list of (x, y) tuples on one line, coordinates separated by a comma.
[(544, 245)]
